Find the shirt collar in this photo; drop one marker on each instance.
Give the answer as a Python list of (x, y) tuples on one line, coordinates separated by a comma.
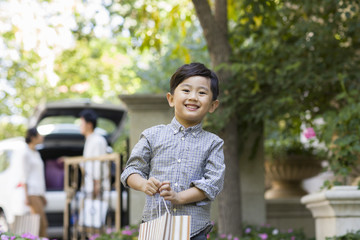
[(177, 127)]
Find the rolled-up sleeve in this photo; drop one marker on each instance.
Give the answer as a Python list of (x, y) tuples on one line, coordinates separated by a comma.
[(139, 161), (213, 180)]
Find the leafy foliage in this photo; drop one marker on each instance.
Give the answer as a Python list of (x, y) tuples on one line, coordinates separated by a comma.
[(250, 232), (341, 133), (145, 44), (293, 62), (348, 236), (284, 64)]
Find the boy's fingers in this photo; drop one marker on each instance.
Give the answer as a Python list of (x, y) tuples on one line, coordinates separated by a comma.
[(155, 181), (150, 191), (165, 182), (164, 193), (153, 188), (164, 187)]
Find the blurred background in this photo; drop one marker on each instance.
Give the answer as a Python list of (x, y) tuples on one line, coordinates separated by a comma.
[(289, 70)]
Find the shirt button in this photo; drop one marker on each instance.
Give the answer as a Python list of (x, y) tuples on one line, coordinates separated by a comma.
[(175, 209), (176, 184), (182, 129), (179, 160), (183, 138), (175, 131), (194, 134)]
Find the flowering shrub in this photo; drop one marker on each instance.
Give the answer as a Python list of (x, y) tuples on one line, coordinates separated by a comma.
[(348, 236), (265, 232), (126, 233), (25, 236), (250, 232), (283, 138)]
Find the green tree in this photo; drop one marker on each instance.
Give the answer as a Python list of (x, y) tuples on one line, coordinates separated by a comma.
[(299, 61)]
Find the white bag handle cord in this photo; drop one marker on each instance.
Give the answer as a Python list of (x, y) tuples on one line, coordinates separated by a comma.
[(165, 206)]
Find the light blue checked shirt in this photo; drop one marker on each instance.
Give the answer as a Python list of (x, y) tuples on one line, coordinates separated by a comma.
[(185, 157)]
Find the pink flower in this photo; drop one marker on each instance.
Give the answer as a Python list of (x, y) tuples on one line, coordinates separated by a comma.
[(95, 236), (127, 232), (263, 236), (309, 133), (28, 235)]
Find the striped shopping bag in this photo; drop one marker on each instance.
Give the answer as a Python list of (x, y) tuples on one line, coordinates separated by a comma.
[(28, 223), (166, 227)]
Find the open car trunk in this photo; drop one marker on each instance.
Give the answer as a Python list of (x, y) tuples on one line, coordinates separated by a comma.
[(59, 121)]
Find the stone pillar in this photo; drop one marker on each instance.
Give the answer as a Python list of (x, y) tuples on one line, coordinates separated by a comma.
[(289, 213), (336, 211), (144, 111)]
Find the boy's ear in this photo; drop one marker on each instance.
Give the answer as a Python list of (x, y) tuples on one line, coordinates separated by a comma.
[(214, 106), (170, 99)]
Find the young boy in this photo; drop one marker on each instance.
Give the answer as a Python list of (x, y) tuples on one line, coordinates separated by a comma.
[(181, 161)]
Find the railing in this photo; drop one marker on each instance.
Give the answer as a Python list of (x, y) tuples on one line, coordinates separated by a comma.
[(84, 214)]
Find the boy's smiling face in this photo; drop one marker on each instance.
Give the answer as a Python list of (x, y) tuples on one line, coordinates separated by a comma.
[(192, 100)]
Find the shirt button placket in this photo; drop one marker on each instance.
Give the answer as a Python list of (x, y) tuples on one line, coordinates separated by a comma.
[(179, 160)]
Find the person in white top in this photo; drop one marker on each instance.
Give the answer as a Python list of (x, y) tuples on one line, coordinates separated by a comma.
[(34, 178), (96, 177)]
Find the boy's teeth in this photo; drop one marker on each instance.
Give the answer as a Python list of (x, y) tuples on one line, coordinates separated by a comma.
[(191, 107)]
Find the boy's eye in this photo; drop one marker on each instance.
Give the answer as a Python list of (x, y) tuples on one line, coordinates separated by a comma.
[(202, 93), (186, 90)]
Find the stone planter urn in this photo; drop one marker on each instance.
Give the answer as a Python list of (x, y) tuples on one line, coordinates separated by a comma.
[(287, 174), (336, 211)]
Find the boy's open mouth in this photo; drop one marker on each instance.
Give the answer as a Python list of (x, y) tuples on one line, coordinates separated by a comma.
[(191, 107)]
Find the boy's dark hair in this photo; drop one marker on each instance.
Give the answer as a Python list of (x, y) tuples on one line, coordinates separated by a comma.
[(195, 69), (31, 132), (89, 116)]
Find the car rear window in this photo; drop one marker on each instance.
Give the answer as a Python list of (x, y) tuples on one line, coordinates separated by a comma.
[(70, 124), (4, 159)]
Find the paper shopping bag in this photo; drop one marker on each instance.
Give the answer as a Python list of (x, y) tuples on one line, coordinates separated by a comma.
[(27, 223), (166, 227), (180, 228), (93, 213)]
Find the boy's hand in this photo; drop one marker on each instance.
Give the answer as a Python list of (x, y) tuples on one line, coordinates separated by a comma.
[(168, 194), (151, 186)]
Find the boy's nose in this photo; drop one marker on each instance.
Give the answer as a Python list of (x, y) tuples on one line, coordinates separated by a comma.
[(193, 96)]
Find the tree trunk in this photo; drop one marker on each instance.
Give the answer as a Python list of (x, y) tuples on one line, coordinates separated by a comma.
[(215, 32), (229, 201)]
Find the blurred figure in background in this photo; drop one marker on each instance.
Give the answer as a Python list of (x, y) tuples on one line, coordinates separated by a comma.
[(34, 178), (95, 145)]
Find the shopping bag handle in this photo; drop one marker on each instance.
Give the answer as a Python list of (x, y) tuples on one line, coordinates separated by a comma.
[(165, 206), (163, 200)]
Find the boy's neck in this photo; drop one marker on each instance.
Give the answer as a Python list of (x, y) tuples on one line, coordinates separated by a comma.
[(187, 125)]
